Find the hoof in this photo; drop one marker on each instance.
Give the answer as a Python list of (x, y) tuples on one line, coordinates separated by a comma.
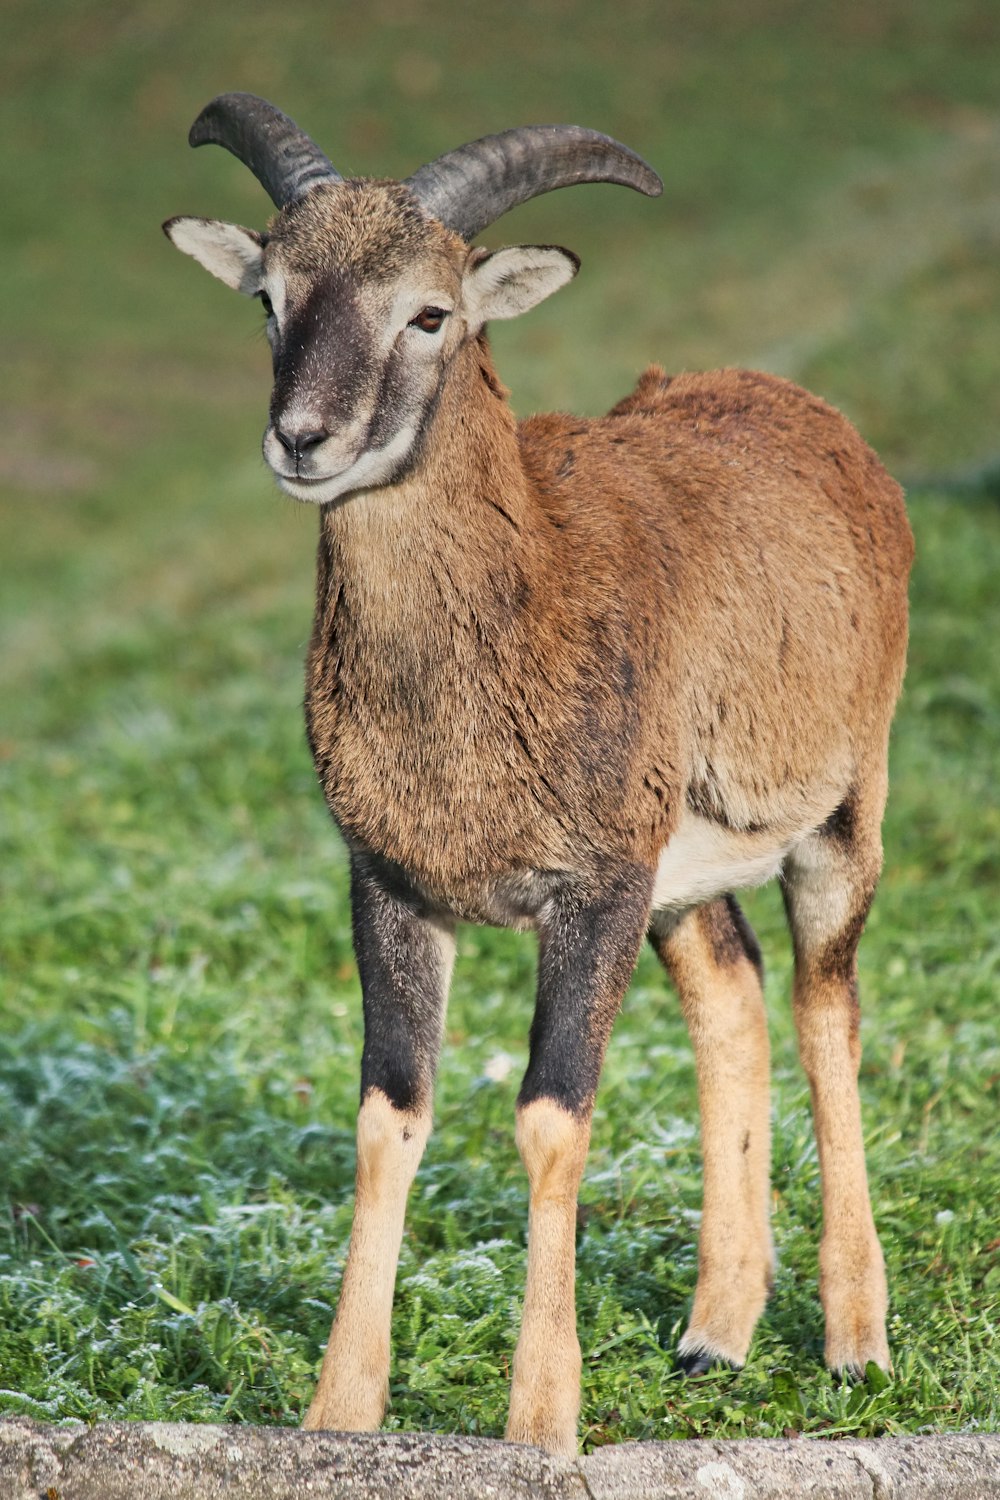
[(700, 1361), (874, 1374)]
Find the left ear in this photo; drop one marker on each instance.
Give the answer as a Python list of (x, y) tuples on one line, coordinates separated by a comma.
[(234, 254), (509, 282)]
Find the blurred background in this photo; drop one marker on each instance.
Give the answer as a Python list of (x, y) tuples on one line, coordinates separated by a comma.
[(831, 212), (179, 1033)]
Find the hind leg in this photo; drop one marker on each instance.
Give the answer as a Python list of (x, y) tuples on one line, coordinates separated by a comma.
[(829, 883), (712, 956)]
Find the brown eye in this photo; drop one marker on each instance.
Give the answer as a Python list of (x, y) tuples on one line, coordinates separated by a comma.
[(265, 303), (429, 319)]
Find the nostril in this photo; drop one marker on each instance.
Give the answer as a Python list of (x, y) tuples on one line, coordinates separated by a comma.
[(298, 443)]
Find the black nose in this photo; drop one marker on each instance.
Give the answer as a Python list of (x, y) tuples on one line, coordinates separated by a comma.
[(298, 443)]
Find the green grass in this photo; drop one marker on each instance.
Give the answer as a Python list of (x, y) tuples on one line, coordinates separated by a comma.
[(179, 1060), (181, 1031)]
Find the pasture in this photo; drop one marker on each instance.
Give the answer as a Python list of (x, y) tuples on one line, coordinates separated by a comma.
[(180, 1024)]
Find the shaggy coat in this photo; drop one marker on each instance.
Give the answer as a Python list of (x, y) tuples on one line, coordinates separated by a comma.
[(583, 677)]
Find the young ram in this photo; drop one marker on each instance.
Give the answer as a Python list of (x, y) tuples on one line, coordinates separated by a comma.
[(585, 677)]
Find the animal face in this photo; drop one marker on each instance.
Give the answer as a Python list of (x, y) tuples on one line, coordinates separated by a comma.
[(367, 299)]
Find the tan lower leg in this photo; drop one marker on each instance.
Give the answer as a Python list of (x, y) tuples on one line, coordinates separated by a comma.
[(852, 1272), (353, 1383), (545, 1394), (724, 1010)]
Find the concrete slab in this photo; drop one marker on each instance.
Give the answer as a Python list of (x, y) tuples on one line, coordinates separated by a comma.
[(752, 1470), (167, 1461), (921, 1468), (173, 1461)]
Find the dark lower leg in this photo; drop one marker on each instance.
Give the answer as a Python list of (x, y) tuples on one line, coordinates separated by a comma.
[(405, 963), (587, 951)]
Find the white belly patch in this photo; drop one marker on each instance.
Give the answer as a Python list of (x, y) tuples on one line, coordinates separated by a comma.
[(704, 860)]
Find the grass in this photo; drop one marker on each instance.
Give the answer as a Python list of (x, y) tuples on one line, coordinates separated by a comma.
[(179, 1064), (180, 1028)]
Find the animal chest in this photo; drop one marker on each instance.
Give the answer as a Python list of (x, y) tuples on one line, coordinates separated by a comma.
[(425, 764)]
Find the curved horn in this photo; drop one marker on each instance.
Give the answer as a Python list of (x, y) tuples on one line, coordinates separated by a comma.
[(286, 163), (471, 187)]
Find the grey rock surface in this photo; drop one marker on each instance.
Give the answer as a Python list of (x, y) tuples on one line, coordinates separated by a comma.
[(168, 1461), (922, 1468), (749, 1470), (173, 1461)]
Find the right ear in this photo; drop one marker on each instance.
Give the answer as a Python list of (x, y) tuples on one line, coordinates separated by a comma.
[(233, 254), (505, 283)]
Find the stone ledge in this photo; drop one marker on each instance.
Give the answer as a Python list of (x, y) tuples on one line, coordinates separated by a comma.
[(173, 1461)]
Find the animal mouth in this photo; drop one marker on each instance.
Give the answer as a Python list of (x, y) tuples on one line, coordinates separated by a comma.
[(296, 483), (371, 468), (314, 488)]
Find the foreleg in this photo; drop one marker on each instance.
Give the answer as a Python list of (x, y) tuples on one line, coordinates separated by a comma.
[(404, 957), (588, 947)]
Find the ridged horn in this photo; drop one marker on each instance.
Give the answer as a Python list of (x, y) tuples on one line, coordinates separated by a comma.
[(472, 186), (285, 162)]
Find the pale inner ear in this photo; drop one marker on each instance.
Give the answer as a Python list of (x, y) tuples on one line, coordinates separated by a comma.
[(234, 255), (511, 281)]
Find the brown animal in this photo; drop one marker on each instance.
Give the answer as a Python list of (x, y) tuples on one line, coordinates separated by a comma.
[(585, 677)]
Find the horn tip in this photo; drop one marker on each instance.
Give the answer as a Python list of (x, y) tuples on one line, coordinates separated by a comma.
[(201, 132), (204, 131)]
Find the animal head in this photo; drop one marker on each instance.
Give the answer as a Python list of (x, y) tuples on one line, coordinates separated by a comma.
[(370, 287)]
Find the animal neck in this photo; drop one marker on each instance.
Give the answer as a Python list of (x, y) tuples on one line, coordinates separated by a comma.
[(460, 524)]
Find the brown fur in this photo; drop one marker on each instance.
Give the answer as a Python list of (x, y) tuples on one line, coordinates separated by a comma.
[(720, 992), (354, 1381), (673, 614), (544, 656), (545, 1394), (714, 590)]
